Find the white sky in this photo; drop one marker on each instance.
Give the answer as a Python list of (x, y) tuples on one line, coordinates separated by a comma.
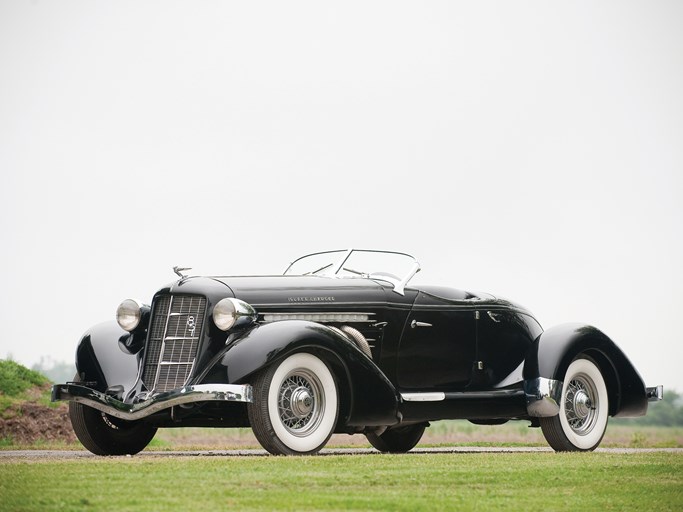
[(529, 149)]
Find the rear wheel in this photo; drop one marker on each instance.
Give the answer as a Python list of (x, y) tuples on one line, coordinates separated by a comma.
[(397, 439), (582, 420), (295, 405)]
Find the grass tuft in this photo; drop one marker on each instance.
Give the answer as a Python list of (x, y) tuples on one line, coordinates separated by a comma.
[(15, 379), (19, 385)]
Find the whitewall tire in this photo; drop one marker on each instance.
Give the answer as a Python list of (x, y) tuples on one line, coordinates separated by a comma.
[(582, 420), (295, 405)]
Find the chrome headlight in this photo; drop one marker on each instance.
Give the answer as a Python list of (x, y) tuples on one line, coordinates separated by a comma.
[(230, 312), (129, 314)]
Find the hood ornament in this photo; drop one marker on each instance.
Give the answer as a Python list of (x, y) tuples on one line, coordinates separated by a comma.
[(179, 271)]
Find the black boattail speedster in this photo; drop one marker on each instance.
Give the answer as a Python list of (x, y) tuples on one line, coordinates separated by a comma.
[(341, 343)]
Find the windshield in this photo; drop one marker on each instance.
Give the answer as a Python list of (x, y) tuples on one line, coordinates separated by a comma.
[(394, 267)]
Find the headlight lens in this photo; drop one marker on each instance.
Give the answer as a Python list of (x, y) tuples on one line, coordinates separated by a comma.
[(230, 312), (129, 314)]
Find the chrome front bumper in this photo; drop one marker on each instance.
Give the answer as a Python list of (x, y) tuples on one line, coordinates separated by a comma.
[(189, 394)]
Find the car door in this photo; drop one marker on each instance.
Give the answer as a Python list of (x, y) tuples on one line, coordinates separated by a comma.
[(504, 336), (438, 346)]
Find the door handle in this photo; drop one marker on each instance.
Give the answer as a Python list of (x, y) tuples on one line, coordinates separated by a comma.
[(415, 323), (494, 316)]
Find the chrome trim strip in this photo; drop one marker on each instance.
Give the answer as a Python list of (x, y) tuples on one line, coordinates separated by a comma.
[(319, 316), (117, 408), (436, 396), (336, 304), (465, 305), (543, 397)]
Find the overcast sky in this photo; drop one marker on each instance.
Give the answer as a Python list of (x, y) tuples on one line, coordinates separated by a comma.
[(532, 150)]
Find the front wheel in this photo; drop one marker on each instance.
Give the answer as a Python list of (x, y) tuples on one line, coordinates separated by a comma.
[(582, 420), (103, 434), (397, 439), (295, 405)]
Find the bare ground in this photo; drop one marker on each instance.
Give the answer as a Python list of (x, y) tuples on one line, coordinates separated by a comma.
[(31, 422)]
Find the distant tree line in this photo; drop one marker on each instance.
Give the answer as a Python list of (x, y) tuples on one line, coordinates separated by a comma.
[(57, 371)]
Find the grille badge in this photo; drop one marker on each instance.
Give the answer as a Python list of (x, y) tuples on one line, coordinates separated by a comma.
[(191, 325)]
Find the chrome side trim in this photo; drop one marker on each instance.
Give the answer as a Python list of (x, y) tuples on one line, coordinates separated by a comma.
[(436, 396), (117, 408), (543, 397), (320, 317)]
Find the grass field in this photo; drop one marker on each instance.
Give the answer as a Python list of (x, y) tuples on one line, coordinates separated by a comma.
[(499, 481)]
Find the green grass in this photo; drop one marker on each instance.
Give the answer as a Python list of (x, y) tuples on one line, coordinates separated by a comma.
[(440, 433), (533, 481), (15, 378)]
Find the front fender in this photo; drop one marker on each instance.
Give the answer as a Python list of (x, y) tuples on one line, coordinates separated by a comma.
[(101, 360), (372, 399), (553, 351)]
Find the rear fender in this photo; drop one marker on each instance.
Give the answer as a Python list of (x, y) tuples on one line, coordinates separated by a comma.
[(367, 395), (553, 351)]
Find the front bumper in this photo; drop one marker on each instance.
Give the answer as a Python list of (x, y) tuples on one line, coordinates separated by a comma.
[(189, 394)]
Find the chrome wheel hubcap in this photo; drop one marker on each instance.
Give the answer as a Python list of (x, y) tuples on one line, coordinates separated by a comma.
[(301, 402), (581, 404)]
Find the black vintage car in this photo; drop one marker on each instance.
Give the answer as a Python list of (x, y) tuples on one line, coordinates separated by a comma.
[(341, 343)]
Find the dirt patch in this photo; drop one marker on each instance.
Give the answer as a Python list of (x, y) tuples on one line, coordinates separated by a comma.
[(31, 422)]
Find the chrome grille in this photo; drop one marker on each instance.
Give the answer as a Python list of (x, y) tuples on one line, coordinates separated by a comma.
[(173, 340)]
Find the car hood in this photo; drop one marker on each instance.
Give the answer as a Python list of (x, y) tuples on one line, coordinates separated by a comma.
[(264, 291)]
